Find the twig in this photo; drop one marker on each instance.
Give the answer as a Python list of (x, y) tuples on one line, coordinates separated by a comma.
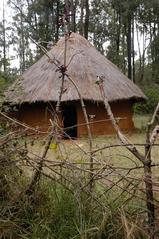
[(21, 124), (120, 135)]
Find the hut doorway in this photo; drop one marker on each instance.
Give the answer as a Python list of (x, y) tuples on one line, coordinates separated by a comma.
[(69, 114)]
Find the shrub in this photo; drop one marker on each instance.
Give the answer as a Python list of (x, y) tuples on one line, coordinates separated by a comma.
[(152, 93)]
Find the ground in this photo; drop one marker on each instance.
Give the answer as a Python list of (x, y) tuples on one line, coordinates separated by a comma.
[(76, 151)]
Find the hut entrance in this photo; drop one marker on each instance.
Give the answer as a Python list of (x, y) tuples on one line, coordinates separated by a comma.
[(69, 120)]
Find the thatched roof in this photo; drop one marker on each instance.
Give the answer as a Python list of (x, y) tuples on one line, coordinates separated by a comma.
[(41, 81)]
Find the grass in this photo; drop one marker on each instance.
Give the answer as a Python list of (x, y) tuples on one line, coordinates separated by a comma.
[(140, 121), (73, 151), (61, 210), (56, 213)]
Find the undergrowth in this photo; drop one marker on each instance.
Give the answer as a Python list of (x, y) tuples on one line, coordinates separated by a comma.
[(62, 207), (54, 212)]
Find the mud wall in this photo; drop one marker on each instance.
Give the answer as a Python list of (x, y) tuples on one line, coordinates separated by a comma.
[(38, 115), (100, 123)]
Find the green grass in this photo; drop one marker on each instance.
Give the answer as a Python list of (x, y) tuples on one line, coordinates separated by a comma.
[(57, 213), (140, 121)]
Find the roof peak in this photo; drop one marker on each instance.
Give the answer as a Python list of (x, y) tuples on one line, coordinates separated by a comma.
[(41, 82), (75, 39)]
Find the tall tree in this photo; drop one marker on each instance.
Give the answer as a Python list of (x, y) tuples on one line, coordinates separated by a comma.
[(4, 42), (112, 26), (86, 26), (81, 28), (129, 46)]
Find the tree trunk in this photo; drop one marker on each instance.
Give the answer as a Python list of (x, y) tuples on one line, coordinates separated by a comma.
[(67, 14), (4, 41), (118, 35), (123, 50), (133, 51), (139, 50), (81, 18), (57, 21), (73, 15), (129, 45), (86, 26), (149, 192), (22, 45)]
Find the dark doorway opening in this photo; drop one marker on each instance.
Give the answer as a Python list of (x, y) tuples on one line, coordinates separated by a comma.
[(69, 121)]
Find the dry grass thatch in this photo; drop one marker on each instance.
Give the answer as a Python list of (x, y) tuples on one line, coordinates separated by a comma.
[(41, 81)]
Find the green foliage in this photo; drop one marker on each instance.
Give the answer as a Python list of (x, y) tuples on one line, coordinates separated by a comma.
[(152, 93), (5, 80), (2, 83)]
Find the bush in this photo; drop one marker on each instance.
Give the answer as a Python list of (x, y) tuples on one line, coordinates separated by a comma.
[(152, 93)]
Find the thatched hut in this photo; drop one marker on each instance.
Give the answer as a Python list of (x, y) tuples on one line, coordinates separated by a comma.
[(37, 91)]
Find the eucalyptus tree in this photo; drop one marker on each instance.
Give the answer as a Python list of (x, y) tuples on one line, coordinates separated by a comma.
[(98, 24), (111, 25), (4, 42)]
